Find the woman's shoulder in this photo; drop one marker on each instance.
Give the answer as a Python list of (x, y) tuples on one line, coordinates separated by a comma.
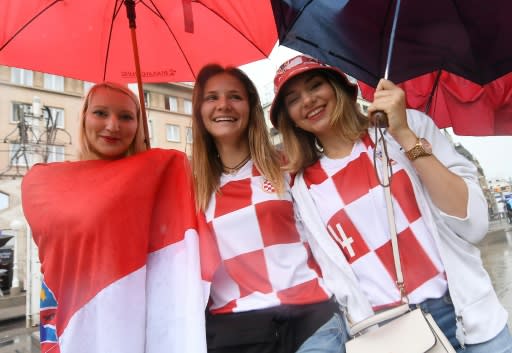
[(165, 152), (160, 153)]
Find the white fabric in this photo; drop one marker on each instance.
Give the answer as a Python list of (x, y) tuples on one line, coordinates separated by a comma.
[(176, 299), (92, 328)]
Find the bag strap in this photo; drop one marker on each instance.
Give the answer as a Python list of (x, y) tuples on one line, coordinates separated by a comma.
[(378, 318), (391, 222), (402, 309)]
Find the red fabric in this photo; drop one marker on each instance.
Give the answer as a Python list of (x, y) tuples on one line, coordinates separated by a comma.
[(71, 38), (470, 109), (95, 222), (275, 219)]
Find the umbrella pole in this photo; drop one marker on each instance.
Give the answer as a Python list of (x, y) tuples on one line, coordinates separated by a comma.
[(392, 40), (379, 118), (130, 12)]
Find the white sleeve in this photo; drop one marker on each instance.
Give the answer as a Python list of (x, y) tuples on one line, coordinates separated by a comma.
[(474, 227)]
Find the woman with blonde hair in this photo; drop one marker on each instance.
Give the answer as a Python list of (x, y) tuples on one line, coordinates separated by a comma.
[(110, 106), (266, 295), (340, 193), (117, 239)]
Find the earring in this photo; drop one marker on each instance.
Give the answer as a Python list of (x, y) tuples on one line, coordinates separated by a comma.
[(318, 145)]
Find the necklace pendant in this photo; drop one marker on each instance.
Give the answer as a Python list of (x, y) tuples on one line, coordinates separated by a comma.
[(234, 170), (231, 171)]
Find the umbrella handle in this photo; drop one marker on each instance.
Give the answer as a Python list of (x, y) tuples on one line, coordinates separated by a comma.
[(379, 119)]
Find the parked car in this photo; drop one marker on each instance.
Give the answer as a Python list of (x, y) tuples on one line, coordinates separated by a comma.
[(6, 263)]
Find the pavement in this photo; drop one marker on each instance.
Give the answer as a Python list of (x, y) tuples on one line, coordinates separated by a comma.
[(12, 305), (496, 251), (14, 335)]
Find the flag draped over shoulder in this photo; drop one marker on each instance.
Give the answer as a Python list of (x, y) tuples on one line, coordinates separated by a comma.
[(119, 252)]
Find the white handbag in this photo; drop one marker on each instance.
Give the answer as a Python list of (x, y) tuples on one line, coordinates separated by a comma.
[(401, 329), (409, 331)]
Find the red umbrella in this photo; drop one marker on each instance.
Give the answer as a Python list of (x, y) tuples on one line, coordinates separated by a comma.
[(452, 101), (93, 40)]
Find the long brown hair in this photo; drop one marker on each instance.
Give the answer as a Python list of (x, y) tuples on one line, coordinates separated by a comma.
[(301, 147), (137, 145), (206, 165)]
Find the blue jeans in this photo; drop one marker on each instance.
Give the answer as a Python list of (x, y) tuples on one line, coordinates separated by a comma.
[(443, 312), (329, 338)]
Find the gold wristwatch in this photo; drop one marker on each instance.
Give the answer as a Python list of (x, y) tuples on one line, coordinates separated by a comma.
[(422, 148)]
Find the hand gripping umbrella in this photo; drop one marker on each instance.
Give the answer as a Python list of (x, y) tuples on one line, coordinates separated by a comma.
[(159, 40)]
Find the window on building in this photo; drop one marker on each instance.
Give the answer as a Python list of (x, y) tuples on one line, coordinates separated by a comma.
[(23, 155), (4, 201), (187, 106), (146, 98), (189, 135), (87, 86), (20, 110), (171, 103), (55, 153), (54, 82), (22, 77), (20, 155), (57, 115), (150, 129), (173, 133)]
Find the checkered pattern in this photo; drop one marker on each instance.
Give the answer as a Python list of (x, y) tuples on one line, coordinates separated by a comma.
[(352, 206), (264, 260), (268, 187)]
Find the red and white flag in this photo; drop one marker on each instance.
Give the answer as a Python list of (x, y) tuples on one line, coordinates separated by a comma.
[(119, 249)]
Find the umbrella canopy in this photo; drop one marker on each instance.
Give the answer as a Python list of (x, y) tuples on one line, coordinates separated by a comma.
[(464, 37), (90, 40), (470, 109)]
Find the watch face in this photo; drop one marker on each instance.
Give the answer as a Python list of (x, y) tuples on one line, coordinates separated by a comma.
[(426, 145)]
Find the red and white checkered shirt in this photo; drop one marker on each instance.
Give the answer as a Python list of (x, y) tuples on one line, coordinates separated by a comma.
[(351, 203), (264, 259)]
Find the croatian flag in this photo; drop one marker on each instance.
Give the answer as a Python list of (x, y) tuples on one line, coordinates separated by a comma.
[(119, 249)]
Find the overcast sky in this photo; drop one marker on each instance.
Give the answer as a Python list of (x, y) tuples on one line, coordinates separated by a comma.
[(493, 152)]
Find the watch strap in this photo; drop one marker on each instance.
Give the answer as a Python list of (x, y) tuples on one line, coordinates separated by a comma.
[(417, 151)]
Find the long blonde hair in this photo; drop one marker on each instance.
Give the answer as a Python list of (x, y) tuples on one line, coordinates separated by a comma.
[(301, 147), (137, 145), (206, 165)]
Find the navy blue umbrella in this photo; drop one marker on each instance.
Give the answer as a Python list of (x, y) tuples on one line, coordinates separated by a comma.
[(470, 38)]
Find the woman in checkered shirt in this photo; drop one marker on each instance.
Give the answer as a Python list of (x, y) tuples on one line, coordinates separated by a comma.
[(440, 211), (266, 293)]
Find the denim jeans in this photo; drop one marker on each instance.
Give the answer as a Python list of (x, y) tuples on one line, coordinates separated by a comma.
[(443, 312), (329, 338)]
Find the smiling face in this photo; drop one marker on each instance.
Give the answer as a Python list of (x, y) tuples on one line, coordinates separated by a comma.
[(310, 101), (225, 108), (110, 123)]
